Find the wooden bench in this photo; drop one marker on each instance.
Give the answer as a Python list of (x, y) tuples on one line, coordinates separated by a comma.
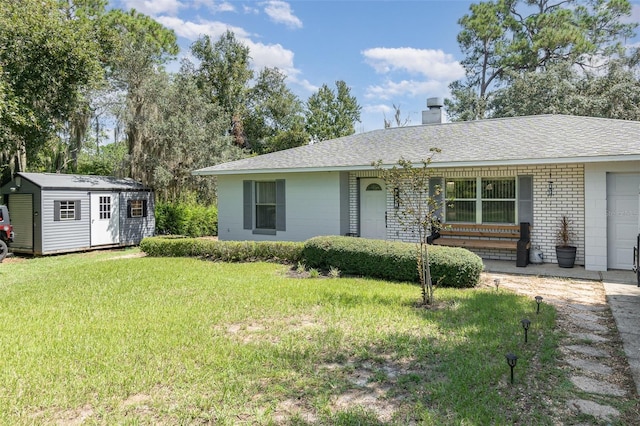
[(477, 236)]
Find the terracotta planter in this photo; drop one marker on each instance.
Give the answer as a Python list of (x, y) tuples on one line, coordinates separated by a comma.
[(566, 256)]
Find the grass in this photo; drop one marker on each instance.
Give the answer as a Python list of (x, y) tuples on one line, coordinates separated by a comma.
[(102, 340)]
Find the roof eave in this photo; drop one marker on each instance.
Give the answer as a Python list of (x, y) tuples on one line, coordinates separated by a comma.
[(434, 164)]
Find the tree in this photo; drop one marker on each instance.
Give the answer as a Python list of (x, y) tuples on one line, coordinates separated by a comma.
[(224, 75), (505, 38), (332, 114), (185, 132), (275, 118), (397, 119), (48, 60), (139, 52), (613, 92), (417, 209)]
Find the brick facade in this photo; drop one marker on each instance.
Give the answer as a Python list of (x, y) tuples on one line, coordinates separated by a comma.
[(567, 200)]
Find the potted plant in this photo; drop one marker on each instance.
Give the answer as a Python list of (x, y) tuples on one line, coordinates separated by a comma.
[(565, 252)]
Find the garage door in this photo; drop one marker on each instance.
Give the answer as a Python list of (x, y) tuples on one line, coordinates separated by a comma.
[(622, 218), (21, 213)]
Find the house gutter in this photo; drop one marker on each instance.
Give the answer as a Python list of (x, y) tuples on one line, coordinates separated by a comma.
[(434, 165)]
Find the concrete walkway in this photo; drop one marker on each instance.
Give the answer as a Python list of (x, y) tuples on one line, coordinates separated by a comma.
[(622, 295)]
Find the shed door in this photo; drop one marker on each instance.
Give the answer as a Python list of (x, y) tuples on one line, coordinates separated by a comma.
[(373, 206), (21, 215), (622, 218), (104, 218)]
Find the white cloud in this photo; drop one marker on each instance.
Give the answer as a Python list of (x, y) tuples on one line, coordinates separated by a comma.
[(154, 7), (262, 55), (193, 30), (215, 6), (250, 10), (392, 90), (280, 12), (431, 63), (378, 108)]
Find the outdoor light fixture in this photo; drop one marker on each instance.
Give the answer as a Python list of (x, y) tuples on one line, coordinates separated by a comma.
[(538, 301), (396, 198), (497, 282), (550, 187), (525, 324), (511, 360)]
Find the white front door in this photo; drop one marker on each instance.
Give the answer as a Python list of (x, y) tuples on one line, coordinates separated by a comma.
[(373, 206), (622, 218), (104, 218)]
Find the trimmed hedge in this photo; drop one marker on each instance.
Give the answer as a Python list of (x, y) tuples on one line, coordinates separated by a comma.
[(450, 266), (190, 219), (226, 251)]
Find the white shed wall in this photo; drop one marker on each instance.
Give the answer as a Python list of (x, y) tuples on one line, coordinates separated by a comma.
[(312, 206)]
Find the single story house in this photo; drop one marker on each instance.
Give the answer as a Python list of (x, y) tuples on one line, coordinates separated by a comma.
[(546, 167), (57, 213)]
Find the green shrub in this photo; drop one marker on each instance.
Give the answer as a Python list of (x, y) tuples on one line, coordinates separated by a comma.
[(227, 251), (450, 266), (190, 219)]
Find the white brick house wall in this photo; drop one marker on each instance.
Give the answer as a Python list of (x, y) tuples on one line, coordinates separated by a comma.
[(567, 200)]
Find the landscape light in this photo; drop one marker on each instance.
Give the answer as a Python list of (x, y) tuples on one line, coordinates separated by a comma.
[(538, 301), (512, 361), (525, 324)]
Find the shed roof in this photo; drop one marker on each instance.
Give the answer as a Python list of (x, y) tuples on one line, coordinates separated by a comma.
[(541, 139), (84, 182)]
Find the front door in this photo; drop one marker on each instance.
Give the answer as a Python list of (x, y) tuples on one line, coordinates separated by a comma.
[(622, 218), (373, 207), (104, 218)]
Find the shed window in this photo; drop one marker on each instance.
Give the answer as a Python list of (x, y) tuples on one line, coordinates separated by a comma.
[(66, 210), (105, 207), (137, 208)]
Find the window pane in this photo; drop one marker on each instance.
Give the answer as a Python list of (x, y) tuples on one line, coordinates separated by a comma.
[(461, 188), (136, 208), (67, 210), (105, 207), (499, 188), (498, 211), (461, 211), (265, 192), (266, 217)]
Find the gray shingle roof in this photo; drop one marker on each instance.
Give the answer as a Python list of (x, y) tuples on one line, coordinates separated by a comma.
[(64, 181), (518, 140)]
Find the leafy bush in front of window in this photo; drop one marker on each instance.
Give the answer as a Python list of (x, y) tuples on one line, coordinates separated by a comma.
[(225, 251), (450, 266), (189, 219)]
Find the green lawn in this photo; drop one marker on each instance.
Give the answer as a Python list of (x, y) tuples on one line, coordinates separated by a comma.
[(99, 339)]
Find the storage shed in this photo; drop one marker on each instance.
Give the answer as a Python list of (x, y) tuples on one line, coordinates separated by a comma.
[(57, 213)]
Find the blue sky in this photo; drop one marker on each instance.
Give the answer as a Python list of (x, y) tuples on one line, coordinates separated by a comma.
[(388, 52)]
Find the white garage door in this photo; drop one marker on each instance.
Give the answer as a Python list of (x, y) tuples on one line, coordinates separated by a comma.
[(21, 214), (622, 218)]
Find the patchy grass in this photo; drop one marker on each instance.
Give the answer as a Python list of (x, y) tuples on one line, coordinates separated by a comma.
[(110, 338)]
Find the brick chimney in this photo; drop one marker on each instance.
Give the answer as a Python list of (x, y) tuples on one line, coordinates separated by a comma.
[(435, 114)]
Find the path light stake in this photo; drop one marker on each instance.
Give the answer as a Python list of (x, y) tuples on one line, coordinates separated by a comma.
[(511, 360), (538, 301), (525, 324), (497, 282)]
